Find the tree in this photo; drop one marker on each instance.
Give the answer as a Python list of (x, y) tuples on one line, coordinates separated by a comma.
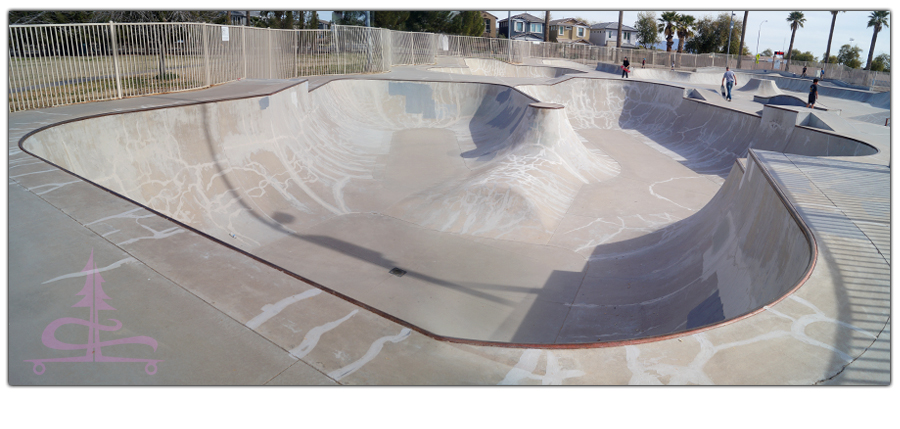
[(619, 31), (390, 19), (796, 19), (547, 26), (877, 20), (882, 63), (830, 33), (803, 56), (647, 33), (684, 27), (711, 35), (667, 27), (743, 33), (312, 21), (350, 17), (849, 56), (766, 53)]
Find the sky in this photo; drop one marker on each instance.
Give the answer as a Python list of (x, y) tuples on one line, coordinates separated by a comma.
[(770, 27)]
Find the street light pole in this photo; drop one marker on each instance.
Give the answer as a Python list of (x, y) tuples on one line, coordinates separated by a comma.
[(757, 35), (730, 30)]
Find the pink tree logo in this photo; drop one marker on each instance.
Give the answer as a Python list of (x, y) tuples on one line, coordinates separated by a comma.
[(95, 300)]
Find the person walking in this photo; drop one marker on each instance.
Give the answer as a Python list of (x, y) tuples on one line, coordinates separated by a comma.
[(643, 62), (729, 80), (625, 65), (804, 72), (813, 94)]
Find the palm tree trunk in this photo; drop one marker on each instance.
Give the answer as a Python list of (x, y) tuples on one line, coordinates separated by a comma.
[(619, 34), (872, 46), (740, 53), (790, 49), (547, 26), (669, 43), (831, 33)]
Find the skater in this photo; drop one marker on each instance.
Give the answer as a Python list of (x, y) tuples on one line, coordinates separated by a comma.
[(729, 80), (643, 62), (625, 65), (673, 65), (823, 74), (813, 94), (804, 72)]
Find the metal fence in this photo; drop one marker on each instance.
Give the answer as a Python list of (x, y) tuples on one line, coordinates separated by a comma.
[(54, 65)]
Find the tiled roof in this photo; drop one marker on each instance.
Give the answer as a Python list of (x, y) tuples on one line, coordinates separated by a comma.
[(611, 26), (525, 17), (561, 20)]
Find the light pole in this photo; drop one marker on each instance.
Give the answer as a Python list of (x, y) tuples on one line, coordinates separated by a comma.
[(730, 30), (757, 35)]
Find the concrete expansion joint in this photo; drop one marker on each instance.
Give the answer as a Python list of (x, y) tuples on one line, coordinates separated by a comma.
[(860, 355)]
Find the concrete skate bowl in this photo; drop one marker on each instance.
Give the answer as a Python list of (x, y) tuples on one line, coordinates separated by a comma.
[(437, 205), (486, 67)]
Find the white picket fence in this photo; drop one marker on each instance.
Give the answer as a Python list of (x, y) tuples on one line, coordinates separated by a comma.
[(55, 65)]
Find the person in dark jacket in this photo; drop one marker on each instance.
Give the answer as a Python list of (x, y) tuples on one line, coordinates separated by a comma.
[(625, 65), (813, 94)]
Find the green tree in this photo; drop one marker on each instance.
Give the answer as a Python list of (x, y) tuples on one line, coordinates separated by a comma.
[(796, 19), (312, 20), (350, 17), (849, 56), (390, 19), (684, 27), (711, 35), (882, 63), (877, 20), (830, 33), (647, 32), (667, 27), (766, 53), (803, 56)]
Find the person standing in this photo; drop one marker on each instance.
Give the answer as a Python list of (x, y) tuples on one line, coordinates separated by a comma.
[(729, 80), (643, 62), (625, 65), (804, 72), (813, 94)]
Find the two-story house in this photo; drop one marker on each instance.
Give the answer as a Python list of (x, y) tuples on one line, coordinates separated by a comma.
[(524, 27), (604, 34), (490, 25), (570, 30)]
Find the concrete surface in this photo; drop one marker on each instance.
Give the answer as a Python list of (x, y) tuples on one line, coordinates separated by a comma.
[(620, 217)]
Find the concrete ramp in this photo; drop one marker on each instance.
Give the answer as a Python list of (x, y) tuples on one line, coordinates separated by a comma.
[(761, 88)]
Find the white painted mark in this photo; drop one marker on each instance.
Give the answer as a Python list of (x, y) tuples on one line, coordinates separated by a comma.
[(98, 270), (554, 374), (312, 337), (373, 351), (270, 310), (53, 187), (36, 172)]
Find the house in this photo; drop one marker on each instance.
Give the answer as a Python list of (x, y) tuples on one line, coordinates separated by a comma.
[(570, 30), (604, 34), (490, 25), (324, 25), (239, 17), (524, 27)]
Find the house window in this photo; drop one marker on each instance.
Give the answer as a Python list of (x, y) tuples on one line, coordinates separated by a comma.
[(561, 30), (487, 25), (520, 27), (535, 28), (609, 34), (580, 32)]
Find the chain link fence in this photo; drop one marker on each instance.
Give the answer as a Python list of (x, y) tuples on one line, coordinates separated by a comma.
[(54, 65)]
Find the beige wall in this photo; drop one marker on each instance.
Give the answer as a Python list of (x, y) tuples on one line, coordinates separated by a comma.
[(493, 32)]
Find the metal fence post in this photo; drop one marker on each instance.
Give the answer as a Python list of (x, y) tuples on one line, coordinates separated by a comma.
[(269, 52), (115, 49), (203, 35), (244, 49)]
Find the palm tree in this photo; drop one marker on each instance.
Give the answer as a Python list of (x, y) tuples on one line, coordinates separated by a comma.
[(796, 19), (667, 27), (619, 32), (684, 28), (831, 33), (740, 53), (877, 19)]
